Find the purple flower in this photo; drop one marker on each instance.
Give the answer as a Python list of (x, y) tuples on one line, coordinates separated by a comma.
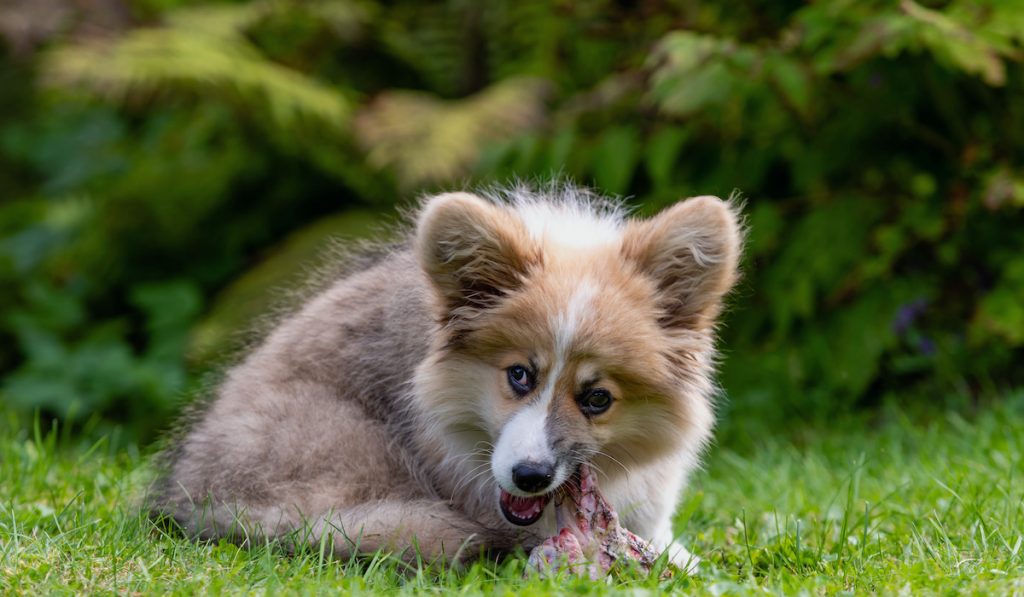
[(907, 314)]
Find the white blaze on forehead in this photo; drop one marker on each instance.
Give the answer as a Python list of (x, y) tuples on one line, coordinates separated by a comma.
[(567, 322)]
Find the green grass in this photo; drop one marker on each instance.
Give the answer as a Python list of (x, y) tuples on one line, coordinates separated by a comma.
[(905, 507)]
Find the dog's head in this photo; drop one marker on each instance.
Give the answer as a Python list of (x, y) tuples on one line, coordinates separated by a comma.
[(573, 334)]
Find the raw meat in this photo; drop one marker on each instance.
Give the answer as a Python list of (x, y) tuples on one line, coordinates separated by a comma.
[(590, 539)]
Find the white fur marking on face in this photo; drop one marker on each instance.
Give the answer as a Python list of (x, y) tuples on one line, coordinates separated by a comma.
[(568, 321), (523, 438)]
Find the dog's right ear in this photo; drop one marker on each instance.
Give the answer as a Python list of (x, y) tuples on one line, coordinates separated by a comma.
[(474, 251)]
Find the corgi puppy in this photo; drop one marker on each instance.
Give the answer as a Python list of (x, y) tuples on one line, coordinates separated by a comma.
[(431, 400)]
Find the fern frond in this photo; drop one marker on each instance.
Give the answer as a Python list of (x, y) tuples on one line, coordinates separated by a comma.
[(200, 49), (219, 20), (427, 140)]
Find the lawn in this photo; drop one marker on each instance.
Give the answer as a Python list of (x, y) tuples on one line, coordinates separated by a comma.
[(891, 506)]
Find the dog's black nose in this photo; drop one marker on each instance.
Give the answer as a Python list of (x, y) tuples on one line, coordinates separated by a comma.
[(532, 476)]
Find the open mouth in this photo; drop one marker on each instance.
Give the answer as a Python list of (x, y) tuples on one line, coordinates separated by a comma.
[(523, 511)]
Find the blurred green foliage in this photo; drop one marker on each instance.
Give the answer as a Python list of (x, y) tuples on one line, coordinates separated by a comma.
[(155, 155)]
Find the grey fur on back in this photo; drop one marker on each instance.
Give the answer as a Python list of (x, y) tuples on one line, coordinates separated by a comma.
[(314, 432)]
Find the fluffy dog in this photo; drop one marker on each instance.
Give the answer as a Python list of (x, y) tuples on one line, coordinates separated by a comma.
[(430, 401)]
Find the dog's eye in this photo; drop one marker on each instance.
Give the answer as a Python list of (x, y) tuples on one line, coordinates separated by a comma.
[(596, 401), (520, 379)]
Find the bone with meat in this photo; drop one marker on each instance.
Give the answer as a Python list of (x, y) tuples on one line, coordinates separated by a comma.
[(590, 539)]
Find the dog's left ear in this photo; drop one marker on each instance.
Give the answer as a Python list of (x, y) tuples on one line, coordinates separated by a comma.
[(691, 251), (475, 252)]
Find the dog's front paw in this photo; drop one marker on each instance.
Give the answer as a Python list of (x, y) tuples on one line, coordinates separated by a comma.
[(681, 557)]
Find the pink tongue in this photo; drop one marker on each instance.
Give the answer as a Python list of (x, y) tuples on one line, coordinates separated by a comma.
[(525, 507)]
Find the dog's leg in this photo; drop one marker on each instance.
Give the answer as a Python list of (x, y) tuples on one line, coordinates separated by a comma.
[(425, 531), (417, 530)]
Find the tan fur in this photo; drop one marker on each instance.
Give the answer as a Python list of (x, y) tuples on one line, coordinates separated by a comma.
[(371, 413)]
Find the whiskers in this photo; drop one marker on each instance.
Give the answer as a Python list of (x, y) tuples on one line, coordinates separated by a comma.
[(571, 490), (624, 468), (481, 454)]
